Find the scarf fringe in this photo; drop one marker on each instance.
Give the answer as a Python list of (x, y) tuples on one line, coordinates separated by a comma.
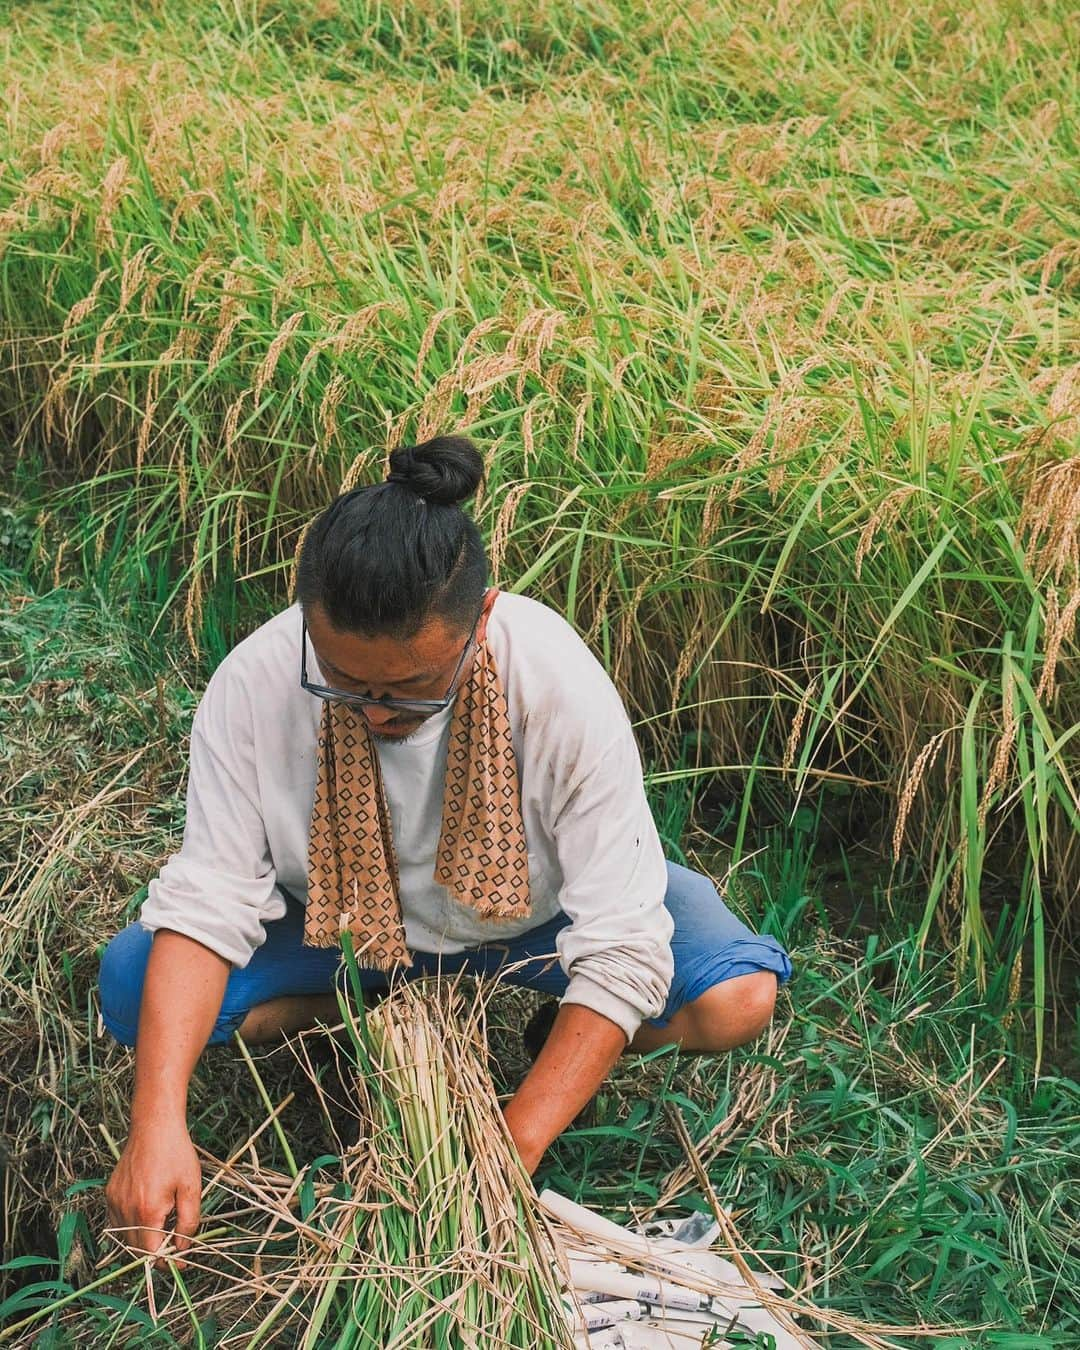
[(385, 965), (374, 956)]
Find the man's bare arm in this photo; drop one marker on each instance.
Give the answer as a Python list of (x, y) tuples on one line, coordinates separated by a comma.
[(159, 1170), (577, 1056)]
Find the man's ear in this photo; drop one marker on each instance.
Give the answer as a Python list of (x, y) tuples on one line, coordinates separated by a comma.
[(489, 600)]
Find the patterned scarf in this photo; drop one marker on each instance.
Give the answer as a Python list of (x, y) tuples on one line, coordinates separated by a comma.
[(482, 856)]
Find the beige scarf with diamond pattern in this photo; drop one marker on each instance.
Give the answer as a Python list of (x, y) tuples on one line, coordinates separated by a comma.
[(482, 857)]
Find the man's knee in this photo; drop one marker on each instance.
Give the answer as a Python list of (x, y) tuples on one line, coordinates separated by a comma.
[(120, 981), (734, 1011)]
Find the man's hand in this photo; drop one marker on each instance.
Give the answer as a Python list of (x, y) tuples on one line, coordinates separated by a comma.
[(577, 1056), (158, 1172)]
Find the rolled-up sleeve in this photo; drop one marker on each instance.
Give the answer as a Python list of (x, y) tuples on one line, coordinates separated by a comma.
[(220, 888), (616, 951)]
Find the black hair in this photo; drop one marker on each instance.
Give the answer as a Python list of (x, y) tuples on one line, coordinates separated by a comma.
[(385, 558)]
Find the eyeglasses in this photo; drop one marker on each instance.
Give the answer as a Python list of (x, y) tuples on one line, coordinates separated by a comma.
[(418, 705)]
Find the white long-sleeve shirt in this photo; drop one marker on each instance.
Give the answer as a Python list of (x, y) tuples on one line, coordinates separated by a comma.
[(593, 847)]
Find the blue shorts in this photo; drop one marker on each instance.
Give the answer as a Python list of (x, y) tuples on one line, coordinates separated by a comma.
[(709, 945)]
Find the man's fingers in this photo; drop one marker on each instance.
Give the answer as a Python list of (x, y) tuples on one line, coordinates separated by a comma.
[(143, 1229), (162, 1240), (148, 1236), (187, 1216), (114, 1213), (129, 1230), (147, 1240)]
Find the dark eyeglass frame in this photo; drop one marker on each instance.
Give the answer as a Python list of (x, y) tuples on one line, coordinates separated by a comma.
[(420, 705)]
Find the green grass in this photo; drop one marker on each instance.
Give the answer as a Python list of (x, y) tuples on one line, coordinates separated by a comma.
[(885, 1147), (767, 324)]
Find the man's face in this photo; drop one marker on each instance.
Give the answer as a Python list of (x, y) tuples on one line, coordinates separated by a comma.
[(420, 667)]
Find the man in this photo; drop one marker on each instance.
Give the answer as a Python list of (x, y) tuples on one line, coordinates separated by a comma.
[(446, 771)]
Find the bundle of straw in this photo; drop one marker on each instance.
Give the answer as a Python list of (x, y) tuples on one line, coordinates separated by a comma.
[(439, 1242)]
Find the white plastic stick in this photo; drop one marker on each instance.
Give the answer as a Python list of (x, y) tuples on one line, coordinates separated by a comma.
[(595, 1225), (610, 1312), (601, 1278)]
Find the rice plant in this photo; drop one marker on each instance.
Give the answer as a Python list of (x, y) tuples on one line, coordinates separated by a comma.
[(765, 323)]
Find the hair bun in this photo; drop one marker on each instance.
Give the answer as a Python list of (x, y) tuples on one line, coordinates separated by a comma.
[(445, 470)]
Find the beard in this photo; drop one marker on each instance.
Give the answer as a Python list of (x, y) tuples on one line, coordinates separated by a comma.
[(408, 731)]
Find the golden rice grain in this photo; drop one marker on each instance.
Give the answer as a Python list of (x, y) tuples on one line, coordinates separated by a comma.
[(685, 663), (193, 603), (360, 464), (192, 284), (1050, 516), (294, 567), (621, 367), (1000, 764), (113, 188), (238, 527), (131, 278), (629, 617), (781, 404), (797, 726), (358, 324), (428, 338), (600, 610), (231, 422), (1059, 626), (181, 482), (55, 139), (450, 194), (584, 404), (229, 312), (56, 417), (146, 424), (885, 514), (273, 355), (58, 559), (923, 762), (491, 324), (435, 408), (527, 441), (82, 308), (328, 406), (540, 325), (710, 514), (1015, 989), (150, 290), (485, 372), (185, 205), (504, 524)]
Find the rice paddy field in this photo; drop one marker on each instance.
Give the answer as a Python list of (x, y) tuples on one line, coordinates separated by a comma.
[(767, 321)]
